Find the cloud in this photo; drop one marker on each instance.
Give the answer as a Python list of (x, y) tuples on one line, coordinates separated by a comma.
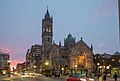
[(11, 51), (16, 56)]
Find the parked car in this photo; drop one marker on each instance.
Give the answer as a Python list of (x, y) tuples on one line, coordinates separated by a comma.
[(78, 77), (48, 73), (56, 73)]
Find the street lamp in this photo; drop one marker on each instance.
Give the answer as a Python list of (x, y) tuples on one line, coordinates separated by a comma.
[(47, 63), (98, 67), (62, 70), (34, 68), (9, 67)]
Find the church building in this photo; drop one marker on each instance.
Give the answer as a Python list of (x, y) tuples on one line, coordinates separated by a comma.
[(73, 56)]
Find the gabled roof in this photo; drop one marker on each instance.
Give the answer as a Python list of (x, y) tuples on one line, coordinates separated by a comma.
[(105, 55), (54, 44), (82, 43), (117, 53)]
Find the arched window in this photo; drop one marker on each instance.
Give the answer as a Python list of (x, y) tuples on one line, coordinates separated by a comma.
[(48, 39)]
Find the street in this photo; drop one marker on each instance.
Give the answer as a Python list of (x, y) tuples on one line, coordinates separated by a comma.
[(37, 78)]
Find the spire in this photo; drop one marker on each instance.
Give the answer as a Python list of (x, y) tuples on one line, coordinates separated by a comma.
[(81, 38), (47, 15), (91, 47), (60, 43)]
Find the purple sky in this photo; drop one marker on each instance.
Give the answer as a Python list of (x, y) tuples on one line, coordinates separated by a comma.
[(94, 20)]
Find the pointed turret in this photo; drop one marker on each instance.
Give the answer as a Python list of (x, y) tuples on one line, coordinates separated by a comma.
[(91, 48), (69, 41), (60, 43), (47, 15), (81, 38)]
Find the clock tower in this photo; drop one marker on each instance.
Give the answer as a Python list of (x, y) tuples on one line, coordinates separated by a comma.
[(47, 34)]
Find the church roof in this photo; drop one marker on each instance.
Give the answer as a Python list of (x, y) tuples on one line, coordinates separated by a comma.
[(69, 38), (82, 43), (54, 45)]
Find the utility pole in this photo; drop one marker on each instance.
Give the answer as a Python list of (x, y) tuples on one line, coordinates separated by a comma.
[(119, 18)]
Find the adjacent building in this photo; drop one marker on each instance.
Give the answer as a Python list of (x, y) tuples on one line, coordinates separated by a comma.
[(115, 63), (21, 67), (107, 63), (34, 57), (4, 62)]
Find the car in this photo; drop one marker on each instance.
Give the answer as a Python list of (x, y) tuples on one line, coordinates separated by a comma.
[(48, 73), (78, 77), (56, 73)]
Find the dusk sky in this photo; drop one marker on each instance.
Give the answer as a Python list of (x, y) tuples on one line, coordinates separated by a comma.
[(94, 20)]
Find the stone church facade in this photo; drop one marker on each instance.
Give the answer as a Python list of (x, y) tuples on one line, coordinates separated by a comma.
[(76, 56), (73, 56)]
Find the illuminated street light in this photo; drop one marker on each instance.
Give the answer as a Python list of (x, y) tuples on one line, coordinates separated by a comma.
[(100, 67), (47, 63), (34, 66), (9, 61), (76, 66), (98, 64), (108, 67), (62, 69), (9, 66), (103, 66)]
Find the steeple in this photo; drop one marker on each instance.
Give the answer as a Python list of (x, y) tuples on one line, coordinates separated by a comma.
[(60, 43), (47, 15), (91, 47), (47, 33)]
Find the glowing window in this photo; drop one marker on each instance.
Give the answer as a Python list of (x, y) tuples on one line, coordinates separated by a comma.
[(113, 59), (95, 57), (119, 60), (47, 29)]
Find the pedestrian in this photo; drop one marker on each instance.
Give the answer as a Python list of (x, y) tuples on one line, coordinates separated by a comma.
[(104, 77), (115, 76), (100, 76)]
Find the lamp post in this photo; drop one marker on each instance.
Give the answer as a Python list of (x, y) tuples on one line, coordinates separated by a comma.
[(34, 68), (76, 67), (47, 65), (62, 70), (98, 67), (9, 67)]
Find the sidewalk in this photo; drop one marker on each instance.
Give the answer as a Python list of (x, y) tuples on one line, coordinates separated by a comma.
[(112, 79), (108, 79), (3, 77)]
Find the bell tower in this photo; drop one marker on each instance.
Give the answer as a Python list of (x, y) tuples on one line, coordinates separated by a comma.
[(47, 33)]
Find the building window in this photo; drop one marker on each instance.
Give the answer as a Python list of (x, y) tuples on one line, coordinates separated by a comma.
[(48, 39), (95, 57), (119, 60), (113, 59)]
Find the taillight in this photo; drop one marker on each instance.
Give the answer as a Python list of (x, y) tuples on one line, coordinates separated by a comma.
[(79, 80), (67, 80)]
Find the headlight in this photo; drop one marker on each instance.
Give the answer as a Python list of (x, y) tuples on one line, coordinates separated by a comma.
[(82, 79), (91, 79)]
